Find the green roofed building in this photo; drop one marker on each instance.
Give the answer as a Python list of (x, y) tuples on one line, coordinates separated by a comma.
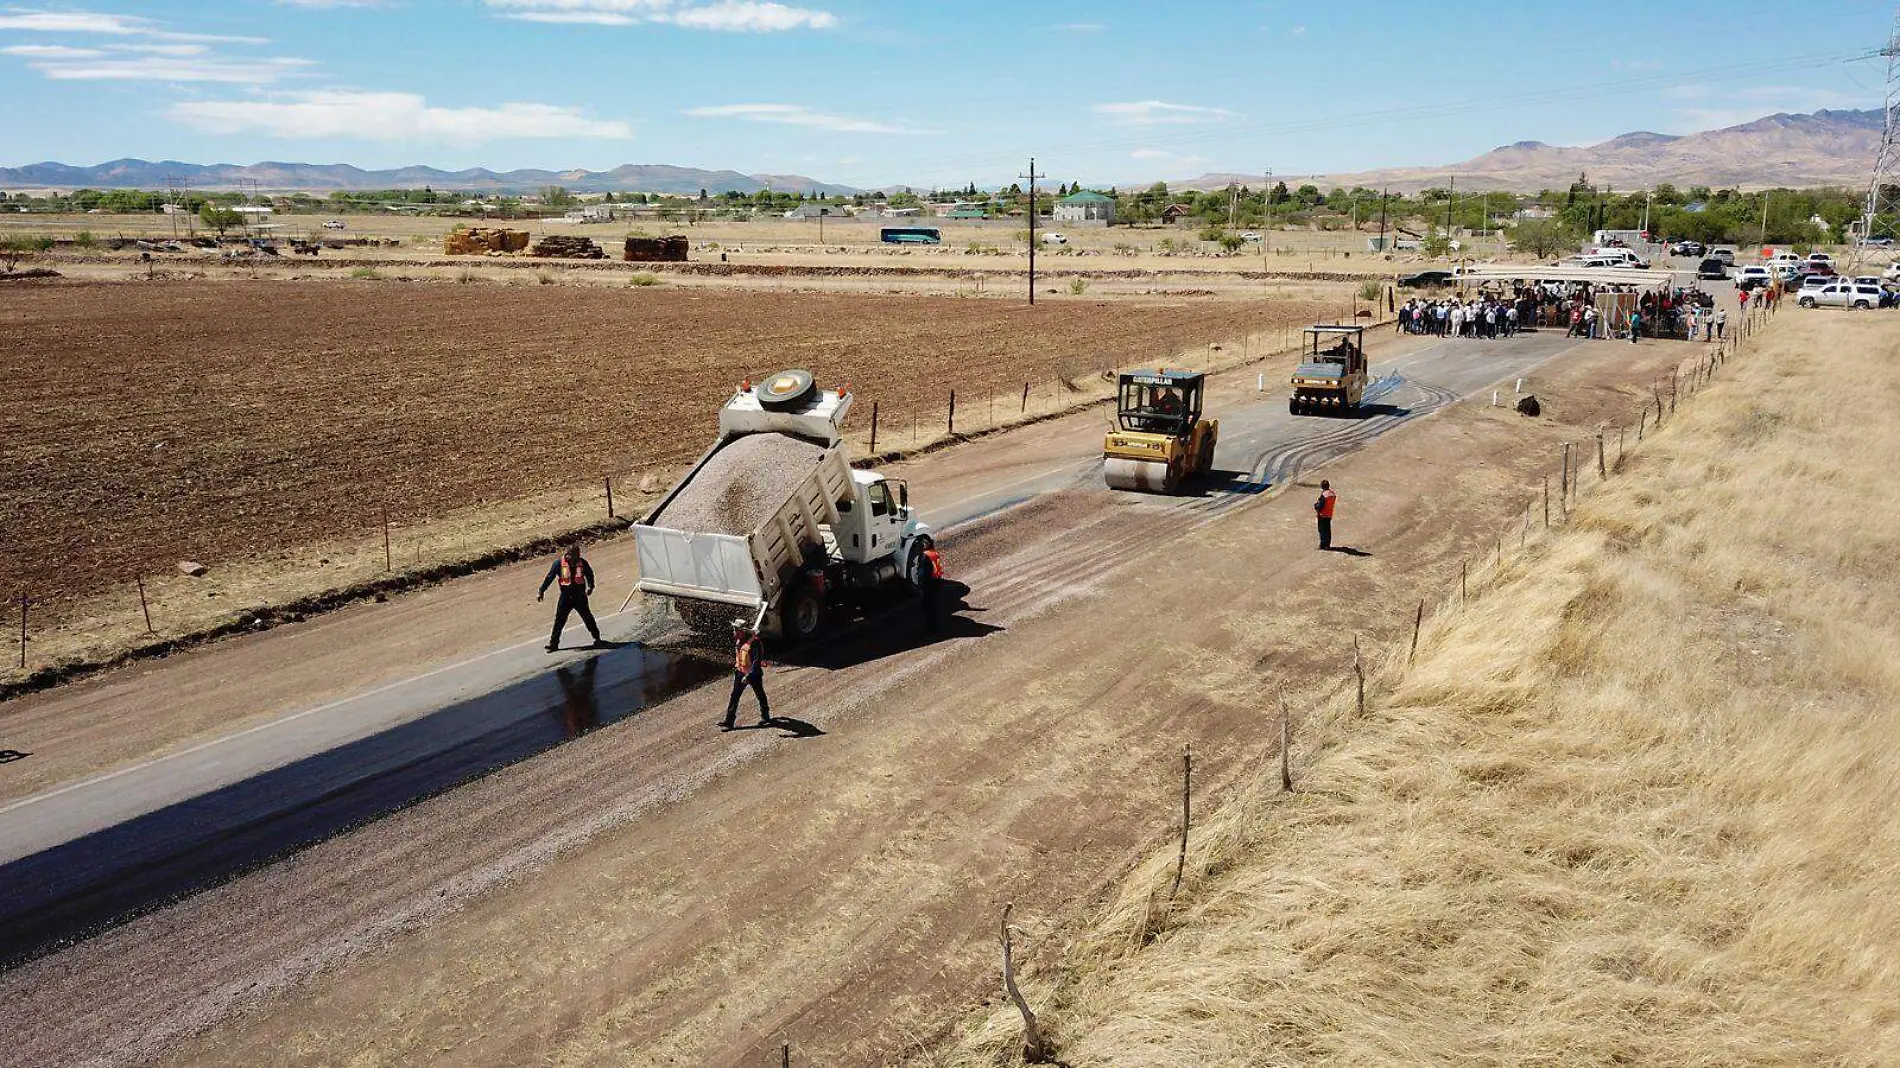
[(1085, 207)]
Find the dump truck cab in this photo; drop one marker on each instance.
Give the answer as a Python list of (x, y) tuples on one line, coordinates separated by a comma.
[(1160, 439), (1331, 379)]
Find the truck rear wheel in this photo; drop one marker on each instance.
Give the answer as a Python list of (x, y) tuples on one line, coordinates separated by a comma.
[(802, 615), (918, 567)]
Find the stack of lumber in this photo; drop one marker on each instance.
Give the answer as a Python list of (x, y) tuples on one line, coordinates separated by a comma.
[(482, 240), (656, 250), (574, 248)]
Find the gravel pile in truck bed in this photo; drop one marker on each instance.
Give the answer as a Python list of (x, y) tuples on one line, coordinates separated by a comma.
[(741, 485)]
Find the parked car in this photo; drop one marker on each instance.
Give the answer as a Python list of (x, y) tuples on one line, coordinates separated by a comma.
[(1426, 279), (1812, 283), (1725, 253), (1880, 241), (1820, 257), (1842, 295), (333, 224), (1053, 238), (1754, 276), (1687, 248), (1784, 257), (1249, 235), (1712, 268)]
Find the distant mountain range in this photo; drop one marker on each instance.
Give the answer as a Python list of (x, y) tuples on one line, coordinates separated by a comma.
[(1798, 151), (272, 177), (1824, 148)]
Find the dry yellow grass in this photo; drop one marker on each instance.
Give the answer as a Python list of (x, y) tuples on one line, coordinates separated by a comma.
[(1639, 803)]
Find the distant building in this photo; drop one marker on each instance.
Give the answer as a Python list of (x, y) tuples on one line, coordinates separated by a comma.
[(1085, 207), (1176, 213), (816, 211)]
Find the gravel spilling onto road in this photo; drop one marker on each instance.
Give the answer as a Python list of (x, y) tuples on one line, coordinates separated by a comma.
[(741, 485)]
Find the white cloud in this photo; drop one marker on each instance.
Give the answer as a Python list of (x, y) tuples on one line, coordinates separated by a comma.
[(107, 24), (1155, 112), (733, 16), (167, 68), (1149, 153), (32, 51), (1164, 157), (798, 115), (373, 116), (148, 52), (1081, 27)]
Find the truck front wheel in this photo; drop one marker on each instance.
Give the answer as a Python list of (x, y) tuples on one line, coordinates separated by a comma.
[(918, 567)]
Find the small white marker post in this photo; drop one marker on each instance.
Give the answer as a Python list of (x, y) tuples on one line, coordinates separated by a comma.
[(1494, 398), (1520, 385), (1260, 385)]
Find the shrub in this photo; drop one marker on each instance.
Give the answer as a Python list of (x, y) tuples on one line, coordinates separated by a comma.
[(466, 276), (1211, 232), (1232, 242), (1370, 290), (547, 278), (1166, 246), (84, 239), (644, 278), (365, 273), (1079, 286)]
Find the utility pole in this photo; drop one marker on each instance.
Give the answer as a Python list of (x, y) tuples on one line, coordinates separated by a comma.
[(1032, 176), (1450, 199), (1384, 194), (1233, 202), (1765, 197)]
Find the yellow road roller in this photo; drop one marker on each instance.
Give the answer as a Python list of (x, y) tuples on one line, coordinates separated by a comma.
[(1160, 439), (1331, 380)]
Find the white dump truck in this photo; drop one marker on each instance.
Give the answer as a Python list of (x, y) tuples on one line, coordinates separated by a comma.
[(773, 524)]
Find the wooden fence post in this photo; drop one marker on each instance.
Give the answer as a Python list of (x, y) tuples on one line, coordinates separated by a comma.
[(951, 426), (143, 606), (874, 428), (389, 561), (1418, 620), (23, 601), (1359, 673), (785, 1055), (1563, 487), (1035, 1050), (1187, 794), (1603, 470), (1286, 746), (1025, 407), (1546, 502), (610, 496), (1464, 590), (1619, 445)]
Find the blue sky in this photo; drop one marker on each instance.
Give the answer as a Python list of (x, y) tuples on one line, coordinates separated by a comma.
[(876, 93)]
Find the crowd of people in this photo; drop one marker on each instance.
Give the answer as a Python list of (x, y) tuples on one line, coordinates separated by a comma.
[(1579, 308)]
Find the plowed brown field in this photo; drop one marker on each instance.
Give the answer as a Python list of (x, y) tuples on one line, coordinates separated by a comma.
[(142, 424)]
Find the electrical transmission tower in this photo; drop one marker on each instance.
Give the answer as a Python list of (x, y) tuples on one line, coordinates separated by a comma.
[(1880, 225)]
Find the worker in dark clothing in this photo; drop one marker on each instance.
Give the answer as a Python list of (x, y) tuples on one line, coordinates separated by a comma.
[(1323, 508), (576, 578), (932, 590), (748, 669)]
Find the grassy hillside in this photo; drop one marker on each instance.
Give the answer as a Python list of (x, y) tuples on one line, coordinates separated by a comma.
[(1638, 803)]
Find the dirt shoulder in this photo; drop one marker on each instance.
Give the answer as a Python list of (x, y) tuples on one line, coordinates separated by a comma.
[(1633, 804), (657, 893)]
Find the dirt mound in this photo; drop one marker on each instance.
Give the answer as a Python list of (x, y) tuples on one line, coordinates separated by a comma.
[(741, 485)]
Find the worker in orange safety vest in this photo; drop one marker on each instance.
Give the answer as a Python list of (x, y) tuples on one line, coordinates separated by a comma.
[(748, 669), (930, 589), (576, 578), (1323, 508)]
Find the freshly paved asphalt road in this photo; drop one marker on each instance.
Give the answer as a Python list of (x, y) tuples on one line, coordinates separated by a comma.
[(92, 851)]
